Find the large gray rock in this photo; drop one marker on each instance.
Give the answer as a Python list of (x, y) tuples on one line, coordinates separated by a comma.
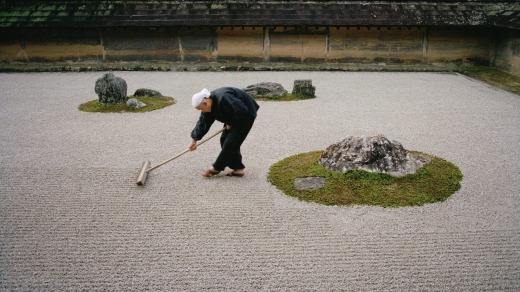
[(268, 89), (304, 87), (111, 89), (373, 154)]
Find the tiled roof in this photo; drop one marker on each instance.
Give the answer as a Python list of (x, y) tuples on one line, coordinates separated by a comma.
[(74, 13)]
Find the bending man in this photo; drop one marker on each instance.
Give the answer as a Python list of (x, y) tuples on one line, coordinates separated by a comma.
[(237, 110)]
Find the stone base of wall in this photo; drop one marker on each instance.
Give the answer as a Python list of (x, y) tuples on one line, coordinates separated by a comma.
[(217, 66)]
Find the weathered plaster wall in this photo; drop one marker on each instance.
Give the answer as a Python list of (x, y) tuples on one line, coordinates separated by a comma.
[(241, 43), (291, 44), (376, 44), (459, 45), (10, 50), (288, 44), (44, 45), (198, 44), (121, 44), (508, 52)]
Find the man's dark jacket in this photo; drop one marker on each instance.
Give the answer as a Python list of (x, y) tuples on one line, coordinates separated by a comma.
[(231, 106)]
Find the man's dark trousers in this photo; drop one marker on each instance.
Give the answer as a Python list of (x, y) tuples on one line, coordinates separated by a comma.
[(230, 141)]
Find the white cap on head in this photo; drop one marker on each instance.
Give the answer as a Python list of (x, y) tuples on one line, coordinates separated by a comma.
[(199, 96)]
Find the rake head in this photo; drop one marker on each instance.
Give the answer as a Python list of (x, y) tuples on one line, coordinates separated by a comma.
[(141, 178)]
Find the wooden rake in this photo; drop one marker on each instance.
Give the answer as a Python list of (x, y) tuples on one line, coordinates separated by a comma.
[(141, 178)]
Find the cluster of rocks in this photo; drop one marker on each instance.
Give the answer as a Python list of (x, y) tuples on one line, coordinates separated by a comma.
[(111, 89), (273, 89), (373, 154)]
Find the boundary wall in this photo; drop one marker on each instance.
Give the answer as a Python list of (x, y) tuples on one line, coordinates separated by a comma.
[(391, 45)]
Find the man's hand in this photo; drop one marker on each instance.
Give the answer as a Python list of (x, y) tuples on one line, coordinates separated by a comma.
[(228, 127), (193, 145)]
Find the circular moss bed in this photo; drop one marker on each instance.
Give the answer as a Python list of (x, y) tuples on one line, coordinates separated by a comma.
[(432, 183), (152, 103)]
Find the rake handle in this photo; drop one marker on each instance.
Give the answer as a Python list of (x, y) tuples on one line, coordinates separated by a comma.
[(185, 151)]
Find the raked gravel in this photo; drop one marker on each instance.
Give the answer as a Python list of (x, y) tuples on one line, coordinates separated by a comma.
[(72, 217)]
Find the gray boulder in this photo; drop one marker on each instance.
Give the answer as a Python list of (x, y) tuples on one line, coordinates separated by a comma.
[(147, 93), (111, 89), (304, 87), (134, 103), (268, 89), (373, 154)]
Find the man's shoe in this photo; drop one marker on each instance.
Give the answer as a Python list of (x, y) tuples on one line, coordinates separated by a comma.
[(210, 172), (236, 172)]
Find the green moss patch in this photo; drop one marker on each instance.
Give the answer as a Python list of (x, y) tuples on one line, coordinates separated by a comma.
[(495, 77), (285, 97), (432, 183), (152, 103)]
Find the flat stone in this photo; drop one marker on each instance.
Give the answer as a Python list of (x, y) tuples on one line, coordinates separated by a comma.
[(135, 103), (147, 92), (309, 183)]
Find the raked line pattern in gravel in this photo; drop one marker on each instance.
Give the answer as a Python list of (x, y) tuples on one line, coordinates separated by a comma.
[(72, 217)]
